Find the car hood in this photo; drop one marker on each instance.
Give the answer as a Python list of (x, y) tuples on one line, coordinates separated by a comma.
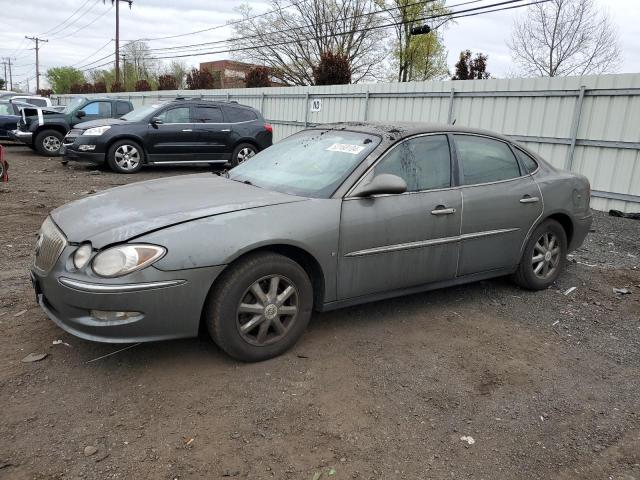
[(122, 213), (99, 123)]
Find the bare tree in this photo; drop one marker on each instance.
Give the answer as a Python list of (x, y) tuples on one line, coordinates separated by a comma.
[(565, 37), (290, 39)]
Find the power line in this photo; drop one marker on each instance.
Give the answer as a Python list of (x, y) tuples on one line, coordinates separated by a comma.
[(216, 27), (92, 54), (56, 29), (85, 26), (348, 32), (499, 6)]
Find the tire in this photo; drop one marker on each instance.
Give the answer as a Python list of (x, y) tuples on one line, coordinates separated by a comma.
[(541, 265), (48, 143), (242, 152), (125, 156), (237, 285)]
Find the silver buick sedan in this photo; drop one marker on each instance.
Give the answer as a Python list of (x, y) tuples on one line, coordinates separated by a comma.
[(332, 216)]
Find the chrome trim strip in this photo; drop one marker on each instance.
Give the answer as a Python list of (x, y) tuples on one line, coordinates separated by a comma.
[(125, 287), (184, 162), (428, 243)]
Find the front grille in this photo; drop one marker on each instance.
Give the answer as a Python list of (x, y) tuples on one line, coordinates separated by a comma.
[(50, 244)]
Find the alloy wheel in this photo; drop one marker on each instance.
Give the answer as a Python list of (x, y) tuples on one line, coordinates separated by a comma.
[(546, 255), (267, 310), (245, 154), (51, 144), (127, 157)]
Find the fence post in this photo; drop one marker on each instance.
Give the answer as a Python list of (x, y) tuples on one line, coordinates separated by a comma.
[(228, 97), (262, 104), (306, 109), (366, 105), (577, 113), (451, 97)]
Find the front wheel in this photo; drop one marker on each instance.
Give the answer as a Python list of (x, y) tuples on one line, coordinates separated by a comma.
[(48, 142), (125, 156), (242, 153), (544, 257), (260, 307)]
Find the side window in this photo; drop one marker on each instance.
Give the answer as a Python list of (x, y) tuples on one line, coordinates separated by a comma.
[(423, 162), (122, 108), (176, 115), (98, 109), (208, 115), (485, 160), (237, 115), (529, 163)]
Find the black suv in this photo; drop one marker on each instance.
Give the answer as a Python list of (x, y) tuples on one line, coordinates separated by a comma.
[(183, 131)]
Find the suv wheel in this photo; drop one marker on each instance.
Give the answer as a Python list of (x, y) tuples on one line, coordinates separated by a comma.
[(242, 153), (259, 307), (48, 142), (125, 156)]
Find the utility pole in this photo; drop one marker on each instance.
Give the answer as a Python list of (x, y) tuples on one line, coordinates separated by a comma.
[(7, 85), (37, 40), (117, 2)]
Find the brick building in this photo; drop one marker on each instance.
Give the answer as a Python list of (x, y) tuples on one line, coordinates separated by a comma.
[(231, 72)]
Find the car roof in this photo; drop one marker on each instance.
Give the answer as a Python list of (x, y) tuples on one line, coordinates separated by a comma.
[(231, 103), (398, 130)]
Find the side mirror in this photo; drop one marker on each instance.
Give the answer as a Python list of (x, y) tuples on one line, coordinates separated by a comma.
[(156, 121), (81, 113), (384, 183)]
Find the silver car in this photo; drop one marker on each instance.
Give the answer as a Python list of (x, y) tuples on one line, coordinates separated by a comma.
[(332, 216)]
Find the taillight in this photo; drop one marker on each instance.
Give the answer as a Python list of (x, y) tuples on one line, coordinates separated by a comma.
[(268, 127)]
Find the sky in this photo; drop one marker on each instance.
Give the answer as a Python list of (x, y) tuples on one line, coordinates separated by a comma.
[(87, 36)]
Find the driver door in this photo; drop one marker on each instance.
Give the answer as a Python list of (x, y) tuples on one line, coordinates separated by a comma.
[(390, 242), (175, 139)]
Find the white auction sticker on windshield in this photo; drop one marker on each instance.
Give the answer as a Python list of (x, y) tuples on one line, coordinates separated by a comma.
[(346, 148)]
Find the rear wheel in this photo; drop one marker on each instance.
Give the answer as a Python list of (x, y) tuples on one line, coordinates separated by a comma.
[(48, 142), (242, 153), (125, 156), (260, 307), (544, 257)]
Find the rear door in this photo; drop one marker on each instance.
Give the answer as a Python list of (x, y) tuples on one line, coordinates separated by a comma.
[(214, 133), (173, 140), (501, 202), (390, 242)]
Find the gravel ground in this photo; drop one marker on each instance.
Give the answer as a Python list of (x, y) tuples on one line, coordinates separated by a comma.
[(546, 384)]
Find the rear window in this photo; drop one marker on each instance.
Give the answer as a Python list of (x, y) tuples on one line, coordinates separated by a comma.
[(237, 115), (122, 108), (38, 102)]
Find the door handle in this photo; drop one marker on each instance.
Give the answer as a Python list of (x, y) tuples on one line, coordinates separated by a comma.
[(226, 130), (187, 130), (440, 210), (529, 199)]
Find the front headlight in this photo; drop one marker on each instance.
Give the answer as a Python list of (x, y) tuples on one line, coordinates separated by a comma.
[(96, 131), (118, 261), (82, 256)]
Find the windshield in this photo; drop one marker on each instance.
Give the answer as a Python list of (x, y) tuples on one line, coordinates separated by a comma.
[(73, 104), (141, 113), (312, 163), (5, 109)]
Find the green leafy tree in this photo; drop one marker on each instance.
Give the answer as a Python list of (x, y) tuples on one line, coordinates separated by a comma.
[(333, 69), (469, 68), (62, 78), (417, 57), (2, 83)]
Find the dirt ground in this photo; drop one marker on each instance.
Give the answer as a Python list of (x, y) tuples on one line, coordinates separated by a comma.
[(546, 384)]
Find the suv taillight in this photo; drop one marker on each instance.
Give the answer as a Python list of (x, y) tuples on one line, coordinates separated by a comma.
[(268, 127)]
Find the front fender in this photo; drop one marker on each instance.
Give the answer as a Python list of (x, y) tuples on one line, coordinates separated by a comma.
[(312, 226)]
